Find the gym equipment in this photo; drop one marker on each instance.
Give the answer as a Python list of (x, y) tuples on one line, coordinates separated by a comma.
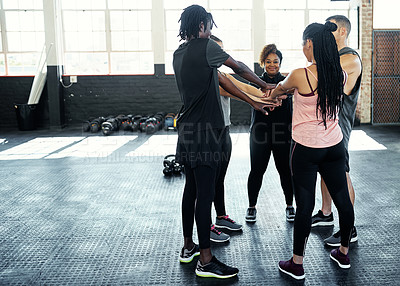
[(112, 124), (171, 167), (95, 124), (169, 121), (126, 123), (154, 123)]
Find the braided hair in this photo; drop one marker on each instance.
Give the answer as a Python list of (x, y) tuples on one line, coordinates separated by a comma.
[(330, 75), (191, 19), (269, 49)]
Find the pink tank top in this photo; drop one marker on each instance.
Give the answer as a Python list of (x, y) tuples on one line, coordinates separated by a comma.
[(307, 129)]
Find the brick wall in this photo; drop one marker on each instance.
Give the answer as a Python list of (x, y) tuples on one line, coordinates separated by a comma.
[(364, 102), (94, 96), (15, 90)]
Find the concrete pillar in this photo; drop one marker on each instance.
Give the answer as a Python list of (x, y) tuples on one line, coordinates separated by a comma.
[(53, 32), (258, 32), (158, 36)]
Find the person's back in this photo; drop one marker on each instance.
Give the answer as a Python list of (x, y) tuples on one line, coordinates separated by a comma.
[(197, 82), (307, 128), (315, 114), (350, 62)]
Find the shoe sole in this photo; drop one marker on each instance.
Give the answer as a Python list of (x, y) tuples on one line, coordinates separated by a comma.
[(251, 219), (292, 275), (189, 259), (213, 275), (353, 239), (290, 219), (338, 263), (220, 240), (227, 227), (323, 223)]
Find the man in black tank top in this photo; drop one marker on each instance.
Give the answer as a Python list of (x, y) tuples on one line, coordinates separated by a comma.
[(351, 63)]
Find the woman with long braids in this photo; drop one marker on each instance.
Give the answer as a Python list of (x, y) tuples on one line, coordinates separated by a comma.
[(317, 142)]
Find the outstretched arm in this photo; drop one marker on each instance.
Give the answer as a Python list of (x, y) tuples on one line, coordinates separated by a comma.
[(231, 90), (285, 86), (246, 73), (246, 88)]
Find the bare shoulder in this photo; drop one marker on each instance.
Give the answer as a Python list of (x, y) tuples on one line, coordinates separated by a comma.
[(296, 73), (294, 79), (351, 64)]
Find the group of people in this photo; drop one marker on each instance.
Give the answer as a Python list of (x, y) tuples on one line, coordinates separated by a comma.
[(306, 137)]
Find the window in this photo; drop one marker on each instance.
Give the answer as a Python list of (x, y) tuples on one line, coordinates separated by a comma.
[(233, 20), (24, 35), (111, 37), (287, 19), (116, 36), (386, 15)]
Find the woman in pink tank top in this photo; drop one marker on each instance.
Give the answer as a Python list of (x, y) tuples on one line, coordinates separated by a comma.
[(317, 142)]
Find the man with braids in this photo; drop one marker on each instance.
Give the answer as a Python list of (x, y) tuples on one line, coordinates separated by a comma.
[(201, 130), (317, 142), (351, 63)]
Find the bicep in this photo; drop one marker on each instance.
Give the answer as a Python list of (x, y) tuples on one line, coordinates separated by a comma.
[(290, 81), (232, 63)]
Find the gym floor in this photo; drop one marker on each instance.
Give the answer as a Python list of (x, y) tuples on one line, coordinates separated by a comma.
[(84, 209)]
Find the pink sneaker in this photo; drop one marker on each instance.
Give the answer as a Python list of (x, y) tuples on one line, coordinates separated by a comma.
[(341, 259), (292, 269)]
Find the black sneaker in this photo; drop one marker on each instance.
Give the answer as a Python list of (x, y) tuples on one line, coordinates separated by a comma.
[(320, 219), (187, 256), (251, 215), (334, 239), (215, 269), (290, 214)]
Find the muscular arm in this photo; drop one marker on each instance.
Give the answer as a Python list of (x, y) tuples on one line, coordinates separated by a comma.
[(286, 85), (244, 71), (231, 90), (351, 64), (246, 88)]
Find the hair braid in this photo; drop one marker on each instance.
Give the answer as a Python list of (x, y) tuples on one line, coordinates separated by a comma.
[(191, 19), (330, 75)]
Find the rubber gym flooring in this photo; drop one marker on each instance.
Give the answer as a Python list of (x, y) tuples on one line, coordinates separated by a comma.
[(84, 209)]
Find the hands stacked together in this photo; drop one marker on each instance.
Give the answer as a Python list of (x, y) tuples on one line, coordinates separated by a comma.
[(262, 103)]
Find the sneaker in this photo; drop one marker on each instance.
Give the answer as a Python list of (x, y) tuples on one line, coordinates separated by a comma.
[(228, 223), (187, 256), (218, 236), (341, 259), (215, 269), (251, 215), (320, 219), (334, 239), (290, 214), (292, 269)]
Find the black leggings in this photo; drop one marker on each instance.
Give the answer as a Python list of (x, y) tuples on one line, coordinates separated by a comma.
[(196, 202), (330, 162), (264, 140), (219, 199)]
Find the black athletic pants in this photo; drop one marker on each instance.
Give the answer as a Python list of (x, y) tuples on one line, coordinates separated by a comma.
[(200, 186), (330, 162), (266, 139), (226, 148), (196, 202)]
